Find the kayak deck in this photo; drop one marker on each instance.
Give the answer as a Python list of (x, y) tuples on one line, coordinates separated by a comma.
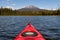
[(30, 33)]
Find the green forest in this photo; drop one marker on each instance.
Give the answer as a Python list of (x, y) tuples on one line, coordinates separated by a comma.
[(9, 11)]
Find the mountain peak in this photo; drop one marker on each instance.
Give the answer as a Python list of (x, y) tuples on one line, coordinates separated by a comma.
[(30, 6)]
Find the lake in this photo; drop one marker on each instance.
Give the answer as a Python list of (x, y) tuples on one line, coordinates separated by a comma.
[(11, 26)]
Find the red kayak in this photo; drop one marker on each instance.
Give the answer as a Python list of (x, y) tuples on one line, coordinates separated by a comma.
[(30, 33)]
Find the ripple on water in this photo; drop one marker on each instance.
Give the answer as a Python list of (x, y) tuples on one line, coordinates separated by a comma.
[(10, 26)]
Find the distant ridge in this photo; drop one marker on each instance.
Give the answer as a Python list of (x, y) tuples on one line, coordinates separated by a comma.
[(29, 8)]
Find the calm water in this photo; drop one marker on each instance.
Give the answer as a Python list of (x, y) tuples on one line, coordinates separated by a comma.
[(49, 26)]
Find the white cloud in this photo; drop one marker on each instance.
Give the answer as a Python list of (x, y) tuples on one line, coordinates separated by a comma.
[(13, 4), (11, 7), (8, 7), (48, 8), (7, 0)]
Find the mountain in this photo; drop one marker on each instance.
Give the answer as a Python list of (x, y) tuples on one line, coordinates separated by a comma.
[(29, 8)]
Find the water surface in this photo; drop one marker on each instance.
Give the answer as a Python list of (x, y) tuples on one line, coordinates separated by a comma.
[(10, 26)]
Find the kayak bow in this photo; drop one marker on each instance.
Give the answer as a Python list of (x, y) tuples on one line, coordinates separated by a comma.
[(30, 33)]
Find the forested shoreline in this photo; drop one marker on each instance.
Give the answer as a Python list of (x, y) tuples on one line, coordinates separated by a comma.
[(9, 11)]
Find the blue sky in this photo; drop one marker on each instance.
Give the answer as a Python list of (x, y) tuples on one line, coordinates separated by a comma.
[(44, 4)]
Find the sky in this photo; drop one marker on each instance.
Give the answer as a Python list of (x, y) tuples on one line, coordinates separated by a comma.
[(43, 4)]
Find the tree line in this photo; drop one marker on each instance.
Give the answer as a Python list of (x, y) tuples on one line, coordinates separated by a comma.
[(9, 11)]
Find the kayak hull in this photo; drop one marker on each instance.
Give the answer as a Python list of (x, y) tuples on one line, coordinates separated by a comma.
[(30, 28)]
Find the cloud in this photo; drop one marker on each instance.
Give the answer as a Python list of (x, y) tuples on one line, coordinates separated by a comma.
[(7, 0), (9, 7), (13, 4), (48, 8)]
